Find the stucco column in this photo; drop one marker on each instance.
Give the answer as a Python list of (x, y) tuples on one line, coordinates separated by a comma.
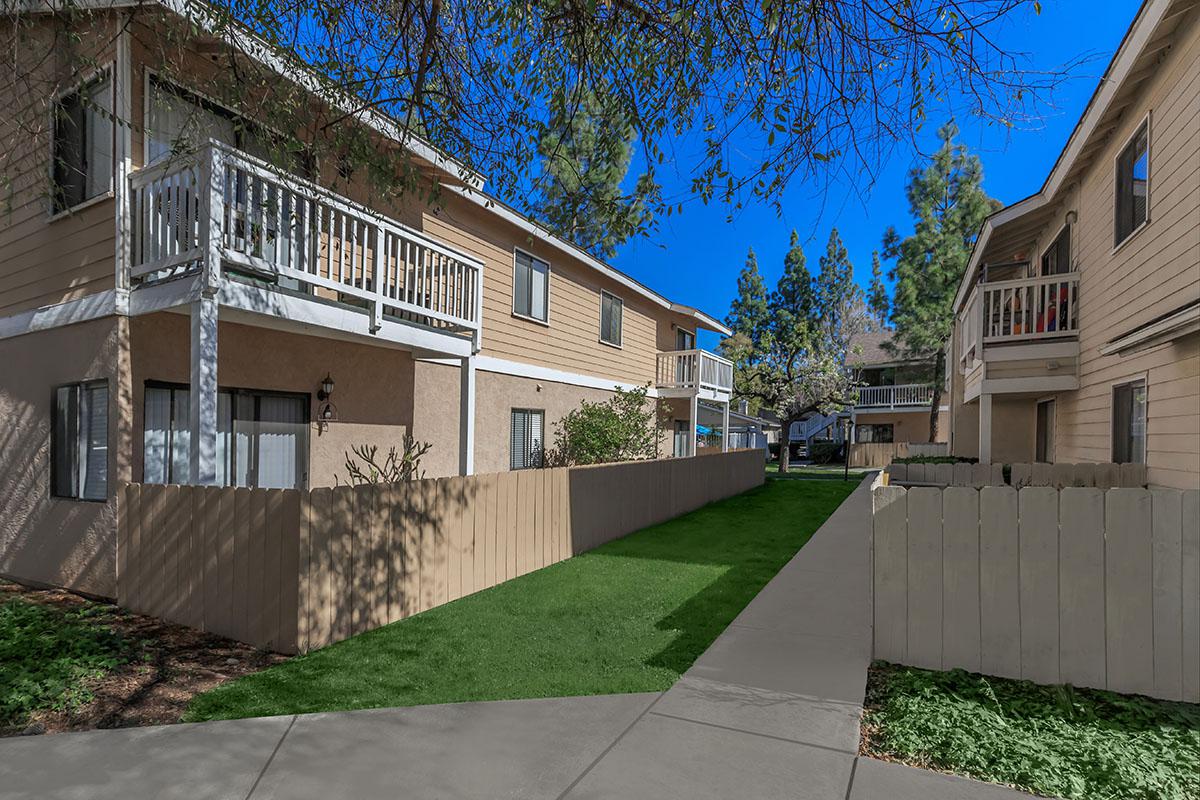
[(985, 429), (202, 411), (725, 428), (466, 417)]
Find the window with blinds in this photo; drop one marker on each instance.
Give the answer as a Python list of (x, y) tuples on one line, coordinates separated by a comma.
[(262, 438), (1129, 423), (527, 445), (611, 311), (531, 286), (79, 441), (83, 144)]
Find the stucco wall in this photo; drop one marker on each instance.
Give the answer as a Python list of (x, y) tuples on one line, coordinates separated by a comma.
[(908, 426), (49, 539), (1014, 429)]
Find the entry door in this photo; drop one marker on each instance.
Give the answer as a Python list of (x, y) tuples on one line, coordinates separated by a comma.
[(683, 429), (1045, 432)]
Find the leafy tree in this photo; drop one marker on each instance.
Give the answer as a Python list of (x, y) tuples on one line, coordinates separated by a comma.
[(796, 364), (948, 205), (625, 427), (877, 296), (586, 151)]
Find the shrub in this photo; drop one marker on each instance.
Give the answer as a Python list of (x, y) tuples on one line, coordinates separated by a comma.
[(625, 427), (825, 452), (935, 460), (395, 467), (773, 450)]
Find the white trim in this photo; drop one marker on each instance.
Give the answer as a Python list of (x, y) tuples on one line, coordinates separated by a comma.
[(621, 343), (517, 369), (1145, 120), (466, 416), (1181, 323), (82, 309), (513, 275), (92, 75), (81, 206), (123, 163), (1042, 383), (700, 316)]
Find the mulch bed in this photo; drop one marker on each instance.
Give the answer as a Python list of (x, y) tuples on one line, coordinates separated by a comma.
[(175, 664)]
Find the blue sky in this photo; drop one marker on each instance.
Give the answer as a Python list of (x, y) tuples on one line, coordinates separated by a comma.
[(695, 257)]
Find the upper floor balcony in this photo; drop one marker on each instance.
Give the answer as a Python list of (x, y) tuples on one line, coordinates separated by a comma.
[(235, 216), (898, 396), (684, 373), (1024, 310)]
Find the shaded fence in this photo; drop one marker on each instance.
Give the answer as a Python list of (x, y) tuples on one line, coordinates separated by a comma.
[(880, 454), (1080, 585), (1060, 476), (295, 570)]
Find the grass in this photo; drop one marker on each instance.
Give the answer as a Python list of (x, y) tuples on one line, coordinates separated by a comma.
[(819, 471), (49, 656), (1051, 740), (629, 616)]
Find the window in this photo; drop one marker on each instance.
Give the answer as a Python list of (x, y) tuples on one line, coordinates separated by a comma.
[(79, 441), (262, 438), (611, 311), (83, 144), (874, 434), (531, 284), (1057, 258), (1133, 185), (526, 438), (1129, 423)]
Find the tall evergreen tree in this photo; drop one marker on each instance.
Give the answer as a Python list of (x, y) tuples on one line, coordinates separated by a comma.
[(948, 205), (877, 296), (749, 312), (586, 150), (839, 298)]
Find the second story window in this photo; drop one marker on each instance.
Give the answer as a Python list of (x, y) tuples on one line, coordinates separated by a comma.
[(79, 441), (526, 438), (1133, 185), (531, 287), (1057, 258), (83, 144), (611, 311)]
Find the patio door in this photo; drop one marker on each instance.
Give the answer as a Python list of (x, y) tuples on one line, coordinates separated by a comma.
[(1045, 432), (685, 370), (683, 430)]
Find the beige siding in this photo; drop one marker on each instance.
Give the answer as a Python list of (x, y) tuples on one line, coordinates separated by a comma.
[(44, 261)]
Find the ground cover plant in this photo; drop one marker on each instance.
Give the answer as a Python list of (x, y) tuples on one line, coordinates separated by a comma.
[(629, 616), (1056, 741)]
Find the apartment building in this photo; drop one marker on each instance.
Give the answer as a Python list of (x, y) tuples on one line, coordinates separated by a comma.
[(1078, 327), (182, 303)]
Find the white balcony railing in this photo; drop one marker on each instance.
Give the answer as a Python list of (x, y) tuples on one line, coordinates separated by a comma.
[(908, 394), (1030, 308), (694, 369), (259, 219)]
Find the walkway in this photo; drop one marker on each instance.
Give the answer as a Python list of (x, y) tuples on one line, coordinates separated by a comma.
[(770, 710)]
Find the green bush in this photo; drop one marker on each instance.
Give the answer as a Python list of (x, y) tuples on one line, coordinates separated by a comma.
[(625, 427), (773, 450), (47, 657), (935, 460), (825, 452)]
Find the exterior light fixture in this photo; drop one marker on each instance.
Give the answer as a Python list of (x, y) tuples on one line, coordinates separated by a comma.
[(326, 388), (326, 410)]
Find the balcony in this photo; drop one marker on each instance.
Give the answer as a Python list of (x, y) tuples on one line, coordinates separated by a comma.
[(262, 225), (1021, 310), (699, 373), (908, 394)]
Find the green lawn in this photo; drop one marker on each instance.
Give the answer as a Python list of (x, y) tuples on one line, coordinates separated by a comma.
[(821, 471), (630, 616), (1050, 740)]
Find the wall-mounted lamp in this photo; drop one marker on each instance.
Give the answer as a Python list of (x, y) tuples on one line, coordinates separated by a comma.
[(326, 410), (326, 388), (1072, 217)]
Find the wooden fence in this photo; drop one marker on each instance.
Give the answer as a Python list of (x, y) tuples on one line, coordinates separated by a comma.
[(1060, 476), (292, 570), (880, 454), (1077, 585)]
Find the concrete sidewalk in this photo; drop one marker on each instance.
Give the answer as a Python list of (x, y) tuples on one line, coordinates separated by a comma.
[(770, 710)]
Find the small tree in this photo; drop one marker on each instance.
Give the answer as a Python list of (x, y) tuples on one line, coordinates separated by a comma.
[(625, 427), (395, 467), (948, 204)]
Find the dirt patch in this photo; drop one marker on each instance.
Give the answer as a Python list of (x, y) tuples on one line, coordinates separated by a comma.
[(169, 665)]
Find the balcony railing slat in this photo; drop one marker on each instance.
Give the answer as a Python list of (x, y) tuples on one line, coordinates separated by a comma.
[(694, 369)]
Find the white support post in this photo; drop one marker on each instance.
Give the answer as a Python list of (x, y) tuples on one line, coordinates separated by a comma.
[(212, 216), (694, 412), (202, 412), (378, 273), (466, 418), (985, 429), (123, 164), (725, 428)]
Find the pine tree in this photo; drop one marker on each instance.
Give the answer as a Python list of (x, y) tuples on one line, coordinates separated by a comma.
[(877, 296), (838, 296), (586, 150), (748, 314), (948, 205)]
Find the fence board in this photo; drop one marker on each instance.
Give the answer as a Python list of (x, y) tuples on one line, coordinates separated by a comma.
[(1021, 475), (1081, 587), (942, 474), (925, 577), (890, 535), (1038, 547), (1128, 580), (897, 473), (960, 579), (962, 474), (1084, 474), (999, 573), (1166, 511), (1108, 476), (1190, 591), (1062, 475)]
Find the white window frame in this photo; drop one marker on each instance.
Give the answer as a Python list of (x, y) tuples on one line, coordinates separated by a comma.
[(620, 343), (549, 272), (1144, 379), (1050, 244), (80, 446), (1149, 179), (99, 72)]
